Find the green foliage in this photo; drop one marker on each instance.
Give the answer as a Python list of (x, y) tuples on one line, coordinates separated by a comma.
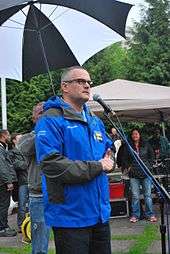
[(146, 58), (108, 64), (149, 48), (21, 97)]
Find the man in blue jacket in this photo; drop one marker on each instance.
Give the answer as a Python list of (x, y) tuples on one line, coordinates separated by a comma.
[(74, 154)]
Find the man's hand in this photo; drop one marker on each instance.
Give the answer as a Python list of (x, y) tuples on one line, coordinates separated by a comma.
[(108, 154), (10, 187), (107, 162)]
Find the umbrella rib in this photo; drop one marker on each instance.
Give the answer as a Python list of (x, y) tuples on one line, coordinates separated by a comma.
[(19, 28), (52, 12), (23, 13), (16, 22), (44, 27)]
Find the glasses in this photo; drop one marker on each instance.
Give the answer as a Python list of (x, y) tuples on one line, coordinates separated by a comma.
[(81, 82)]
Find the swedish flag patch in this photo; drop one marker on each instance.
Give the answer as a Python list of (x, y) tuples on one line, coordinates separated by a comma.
[(98, 136)]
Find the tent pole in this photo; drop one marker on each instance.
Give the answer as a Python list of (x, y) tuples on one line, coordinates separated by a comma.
[(163, 129), (3, 103)]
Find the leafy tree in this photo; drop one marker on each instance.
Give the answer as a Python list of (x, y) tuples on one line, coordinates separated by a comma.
[(149, 52), (107, 65), (21, 97)]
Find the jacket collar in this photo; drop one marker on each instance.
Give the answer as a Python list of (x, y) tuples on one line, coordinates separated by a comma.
[(2, 144), (71, 114)]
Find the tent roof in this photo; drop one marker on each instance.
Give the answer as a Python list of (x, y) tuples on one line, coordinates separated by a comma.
[(133, 100)]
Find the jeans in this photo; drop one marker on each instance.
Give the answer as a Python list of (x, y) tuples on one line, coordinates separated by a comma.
[(90, 240), (22, 203), (4, 205), (39, 231), (146, 189)]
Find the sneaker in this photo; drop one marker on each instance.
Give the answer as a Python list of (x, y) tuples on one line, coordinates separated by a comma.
[(26, 240), (8, 232), (153, 219), (19, 230), (133, 219)]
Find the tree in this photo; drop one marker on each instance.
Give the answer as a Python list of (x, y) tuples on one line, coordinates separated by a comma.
[(107, 65), (21, 97), (149, 49)]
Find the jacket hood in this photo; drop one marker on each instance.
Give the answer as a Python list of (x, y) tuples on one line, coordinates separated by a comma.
[(57, 102)]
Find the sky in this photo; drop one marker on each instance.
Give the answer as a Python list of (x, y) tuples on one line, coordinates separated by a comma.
[(135, 12)]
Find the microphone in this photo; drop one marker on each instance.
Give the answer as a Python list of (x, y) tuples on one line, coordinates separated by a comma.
[(106, 107)]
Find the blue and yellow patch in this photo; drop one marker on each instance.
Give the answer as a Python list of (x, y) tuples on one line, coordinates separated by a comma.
[(98, 136)]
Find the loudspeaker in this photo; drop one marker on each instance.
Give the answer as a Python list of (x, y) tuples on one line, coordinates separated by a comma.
[(119, 208)]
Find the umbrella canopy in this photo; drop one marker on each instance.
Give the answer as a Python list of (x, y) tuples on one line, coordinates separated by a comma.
[(38, 36), (134, 100)]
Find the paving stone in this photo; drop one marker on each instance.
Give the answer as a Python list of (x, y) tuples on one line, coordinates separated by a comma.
[(119, 226), (156, 248), (124, 227), (121, 246), (15, 242)]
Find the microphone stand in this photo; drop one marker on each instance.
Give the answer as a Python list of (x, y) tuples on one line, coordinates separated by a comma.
[(164, 195)]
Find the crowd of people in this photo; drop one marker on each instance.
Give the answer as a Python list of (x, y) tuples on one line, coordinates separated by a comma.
[(58, 172)]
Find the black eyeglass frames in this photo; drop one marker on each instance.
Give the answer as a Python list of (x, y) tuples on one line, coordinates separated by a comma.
[(80, 81)]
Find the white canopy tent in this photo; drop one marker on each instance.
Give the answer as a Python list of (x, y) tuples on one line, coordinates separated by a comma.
[(134, 101)]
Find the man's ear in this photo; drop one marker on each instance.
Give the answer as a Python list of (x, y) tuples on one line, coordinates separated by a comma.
[(64, 87)]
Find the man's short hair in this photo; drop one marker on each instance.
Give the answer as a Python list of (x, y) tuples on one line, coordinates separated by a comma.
[(37, 111), (14, 135), (66, 71)]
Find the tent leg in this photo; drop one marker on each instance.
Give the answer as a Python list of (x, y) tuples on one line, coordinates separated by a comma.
[(163, 129), (3, 103)]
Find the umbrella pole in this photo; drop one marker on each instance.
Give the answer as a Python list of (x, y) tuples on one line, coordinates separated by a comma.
[(3, 103)]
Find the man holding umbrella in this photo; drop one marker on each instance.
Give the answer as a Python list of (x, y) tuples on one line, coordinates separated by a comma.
[(74, 154)]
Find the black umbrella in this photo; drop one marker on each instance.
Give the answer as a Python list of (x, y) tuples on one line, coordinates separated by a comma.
[(38, 36)]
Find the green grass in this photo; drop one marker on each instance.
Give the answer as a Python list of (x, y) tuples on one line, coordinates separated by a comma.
[(144, 240), (22, 250), (141, 242)]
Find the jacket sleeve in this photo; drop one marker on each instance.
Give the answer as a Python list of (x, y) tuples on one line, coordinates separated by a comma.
[(124, 158), (68, 171), (5, 170), (27, 144), (18, 160), (151, 155), (165, 147), (49, 151)]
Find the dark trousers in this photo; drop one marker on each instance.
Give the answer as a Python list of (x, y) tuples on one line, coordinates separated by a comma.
[(4, 205), (90, 240)]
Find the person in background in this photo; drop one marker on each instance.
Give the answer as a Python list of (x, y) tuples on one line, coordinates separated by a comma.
[(7, 177), (116, 140), (159, 144), (39, 230), (137, 176), (21, 168), (74, 152)]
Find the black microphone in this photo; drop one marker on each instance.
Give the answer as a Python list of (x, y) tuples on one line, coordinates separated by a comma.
[(98, 99)]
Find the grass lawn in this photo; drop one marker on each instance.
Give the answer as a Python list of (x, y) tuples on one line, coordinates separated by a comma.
[(140, 246), (142, 241)]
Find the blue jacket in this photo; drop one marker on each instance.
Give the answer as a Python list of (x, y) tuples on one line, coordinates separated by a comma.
[(69, 146)]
